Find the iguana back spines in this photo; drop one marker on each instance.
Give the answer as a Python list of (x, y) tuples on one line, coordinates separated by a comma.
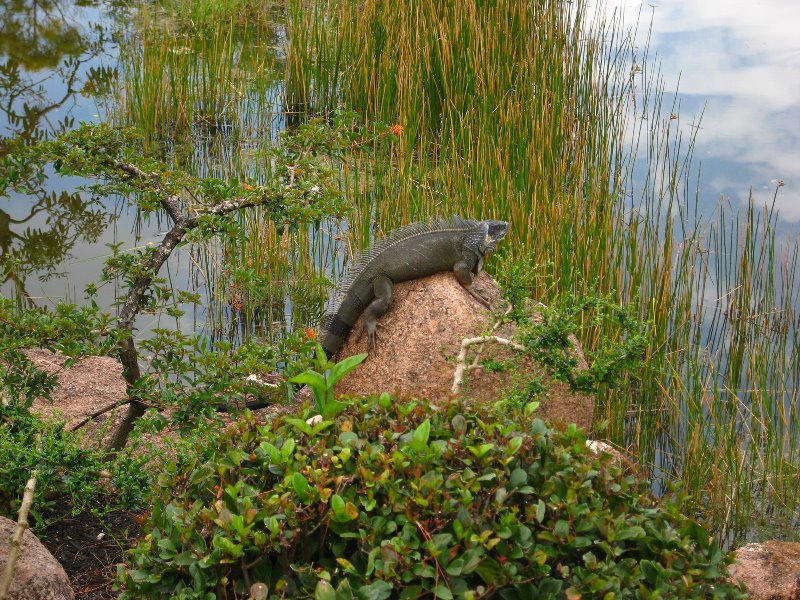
[(410, 252)]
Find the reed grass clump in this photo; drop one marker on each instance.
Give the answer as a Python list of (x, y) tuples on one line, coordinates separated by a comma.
[(527, 111), (196, 70)]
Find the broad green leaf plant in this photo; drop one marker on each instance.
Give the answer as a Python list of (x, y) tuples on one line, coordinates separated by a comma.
[(324, 378)]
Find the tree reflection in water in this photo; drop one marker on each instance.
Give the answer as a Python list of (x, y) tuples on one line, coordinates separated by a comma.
[(50, 63)]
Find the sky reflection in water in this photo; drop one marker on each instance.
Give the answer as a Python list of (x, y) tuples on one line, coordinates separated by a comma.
[(737, 63)]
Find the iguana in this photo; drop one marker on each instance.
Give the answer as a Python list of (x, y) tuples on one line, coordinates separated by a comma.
[(411, 252)]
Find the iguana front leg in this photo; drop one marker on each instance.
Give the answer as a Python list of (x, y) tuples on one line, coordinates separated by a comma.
[(383, 288), (463, 272)]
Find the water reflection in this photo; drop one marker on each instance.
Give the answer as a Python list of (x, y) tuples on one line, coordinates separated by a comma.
[(738, 63), (47, 51), (57, 68), (42, 238)]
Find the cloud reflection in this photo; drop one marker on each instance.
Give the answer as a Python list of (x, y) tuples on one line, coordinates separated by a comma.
[(738, 63)]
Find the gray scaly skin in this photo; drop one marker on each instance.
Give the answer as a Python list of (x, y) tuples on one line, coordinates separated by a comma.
[(411, 252)]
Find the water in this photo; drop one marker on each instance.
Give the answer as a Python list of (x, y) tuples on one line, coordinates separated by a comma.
[(735, 65), (57, 61)]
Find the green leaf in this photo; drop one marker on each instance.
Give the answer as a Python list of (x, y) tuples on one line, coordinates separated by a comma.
[(333, 408), (337, 504), (518, 478), (344, 592), (342, 368), (287, 449), (408, 408), (322, 358), (540, 510), (651, 571), (472, 558), (455, 567), (324, 591), (459, 424), (422, 433), (480, 451), (443, 592), (549, 587), (561, 530), (301, 486), (343, 511), (312, 378), (300, 425), (628, 533), (379, 590), (514, 444), (271, 451), (347, 438), (227, 546), (489, 570)]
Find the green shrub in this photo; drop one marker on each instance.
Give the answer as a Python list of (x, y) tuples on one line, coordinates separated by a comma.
[(67, 475), (407, 500)]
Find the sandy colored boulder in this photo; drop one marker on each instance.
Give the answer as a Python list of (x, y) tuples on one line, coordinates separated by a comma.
[(37, 575), (420, 336), (769, 570)]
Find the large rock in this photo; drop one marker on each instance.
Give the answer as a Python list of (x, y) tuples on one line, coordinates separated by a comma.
[(420, 336), (769, 570), (37, 575)]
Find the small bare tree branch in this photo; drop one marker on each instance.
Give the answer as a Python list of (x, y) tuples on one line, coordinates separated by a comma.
[(461, 359), (102, 411), (130, 308), (19, 532), (497, 324)]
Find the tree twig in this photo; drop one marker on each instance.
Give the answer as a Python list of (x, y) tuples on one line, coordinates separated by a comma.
[(19, 532), (102, 411), (182, 224), (497, 324), (461, 359)]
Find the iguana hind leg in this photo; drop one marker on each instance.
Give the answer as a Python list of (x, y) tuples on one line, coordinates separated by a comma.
[(383, 288), (463, 273)]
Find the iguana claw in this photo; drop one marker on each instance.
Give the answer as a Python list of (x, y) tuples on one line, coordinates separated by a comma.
[(371, 328), (478, 296)]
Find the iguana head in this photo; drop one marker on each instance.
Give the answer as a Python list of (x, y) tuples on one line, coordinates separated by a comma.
[(484, 238), (496, 231)]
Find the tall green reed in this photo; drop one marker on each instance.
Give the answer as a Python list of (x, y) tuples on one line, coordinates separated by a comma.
[(202, 81), (198, 70), (532, 113)]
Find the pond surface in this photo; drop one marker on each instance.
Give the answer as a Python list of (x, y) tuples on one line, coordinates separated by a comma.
[(736, 66), (57, 65)]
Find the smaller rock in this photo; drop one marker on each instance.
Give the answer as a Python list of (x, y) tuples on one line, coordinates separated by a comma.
[(37, 575), (769, 570)]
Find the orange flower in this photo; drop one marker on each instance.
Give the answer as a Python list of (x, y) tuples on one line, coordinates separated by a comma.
[(247, 186), (310, 333), (396, 129)]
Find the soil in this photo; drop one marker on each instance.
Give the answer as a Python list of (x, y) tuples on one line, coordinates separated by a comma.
[(90, 547)]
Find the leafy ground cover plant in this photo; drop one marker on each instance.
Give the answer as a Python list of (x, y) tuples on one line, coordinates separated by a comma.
[(404, 499), (68, 475)]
